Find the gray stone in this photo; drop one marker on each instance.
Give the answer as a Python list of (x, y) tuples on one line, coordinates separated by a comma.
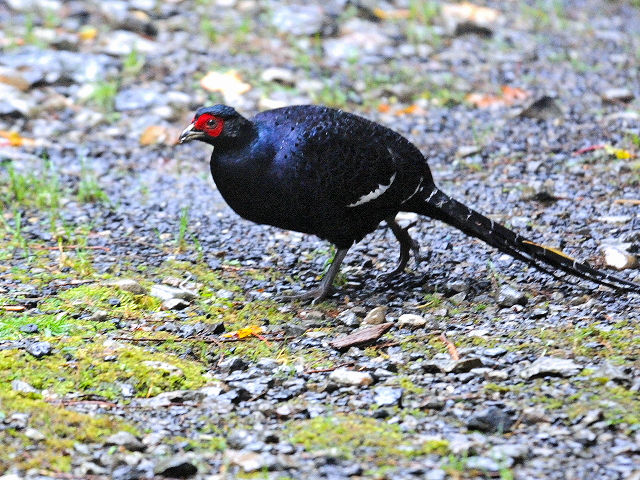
[(376, 316), (494, 352), (22, 386), (509, 296), (137, 99), (298, 19), (483, 464), (122, 43), (550, 366), (348, 318), (343, 376), (225, 294), (517, 451), (176, 467), (39, 349), (90, 468), (127, 285), (452, 366), (33, 434), (492, 419), (249, 461), (611, 371), (617, 95), (238, 439), (126, 440), (41, 66), (163, 292), (410, 320), (164, 366), (232, 364), (29, 328), (387, 396), (279, 75), (616, 257), (435, 474), (98, 316), (17, 420), (175, 304)]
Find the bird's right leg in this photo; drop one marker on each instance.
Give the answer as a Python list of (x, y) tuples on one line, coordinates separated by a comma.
[(407, 245), (326, 284)]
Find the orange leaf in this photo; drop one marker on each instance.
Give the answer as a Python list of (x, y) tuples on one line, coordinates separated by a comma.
[(15, 140), (483, 100), (511, 94), (508, 96), (159, 134), (410, 110), (13, 308), (228, 83), (391, 14), (88, 33), (251, 330), (384, 107)]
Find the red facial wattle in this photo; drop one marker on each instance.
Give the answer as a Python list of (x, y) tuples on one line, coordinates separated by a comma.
[(209, 124)]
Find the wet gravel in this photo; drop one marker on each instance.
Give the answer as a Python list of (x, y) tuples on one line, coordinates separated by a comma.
[(504, 407)]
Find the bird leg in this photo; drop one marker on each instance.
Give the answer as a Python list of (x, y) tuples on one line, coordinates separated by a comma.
[(326, 284), (407, 245)]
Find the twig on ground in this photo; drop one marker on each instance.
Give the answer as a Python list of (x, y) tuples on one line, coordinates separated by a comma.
[(453, 351), (627, 201), (329, 369)]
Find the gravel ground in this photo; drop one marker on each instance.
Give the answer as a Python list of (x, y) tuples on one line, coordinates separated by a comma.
[(139, 335)]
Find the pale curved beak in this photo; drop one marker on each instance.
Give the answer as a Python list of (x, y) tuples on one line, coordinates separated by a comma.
[(189, 134)]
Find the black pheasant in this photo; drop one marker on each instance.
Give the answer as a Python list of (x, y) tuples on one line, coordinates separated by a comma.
[(336, 175)]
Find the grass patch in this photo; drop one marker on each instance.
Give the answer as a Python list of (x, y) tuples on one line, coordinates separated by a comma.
[(355, 436), (60, 427), (100, 369), (56, 325), (89, 298)]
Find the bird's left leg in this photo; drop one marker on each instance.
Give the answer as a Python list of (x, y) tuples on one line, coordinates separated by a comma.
[(407, 246), (326, 284)]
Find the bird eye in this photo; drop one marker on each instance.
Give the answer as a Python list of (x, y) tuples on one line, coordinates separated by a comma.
[(211, 123)]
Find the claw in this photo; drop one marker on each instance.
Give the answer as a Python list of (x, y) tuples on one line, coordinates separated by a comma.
[(407, 246), (313, 296)]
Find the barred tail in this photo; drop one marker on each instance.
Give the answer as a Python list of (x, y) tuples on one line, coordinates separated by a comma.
[(439, 205)]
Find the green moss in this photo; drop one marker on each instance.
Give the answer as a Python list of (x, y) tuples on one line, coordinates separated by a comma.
[(620, 343), (62, 428), (100, 369), (49, 325), (350, 436), (89, 298), (409, 386)]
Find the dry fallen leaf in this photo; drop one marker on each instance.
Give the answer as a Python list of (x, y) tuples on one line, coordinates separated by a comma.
[(509, 96), (159, 134), (469, 12), (391, 14), (619, 153), (14, 139), (88, 33), (229, 84), (251, 330), (410, 110)]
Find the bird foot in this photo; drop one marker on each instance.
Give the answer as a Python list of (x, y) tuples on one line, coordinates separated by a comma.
[(313, 296), (405, 255)]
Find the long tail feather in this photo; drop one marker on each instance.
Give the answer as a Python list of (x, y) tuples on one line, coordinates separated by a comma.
[(439, 205)]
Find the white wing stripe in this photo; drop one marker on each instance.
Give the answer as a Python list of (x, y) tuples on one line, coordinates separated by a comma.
[(373, 195), (414, 192)]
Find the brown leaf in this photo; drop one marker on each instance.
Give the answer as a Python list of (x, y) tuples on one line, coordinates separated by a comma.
[(361, 337), (159, 134), (228, 84)]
